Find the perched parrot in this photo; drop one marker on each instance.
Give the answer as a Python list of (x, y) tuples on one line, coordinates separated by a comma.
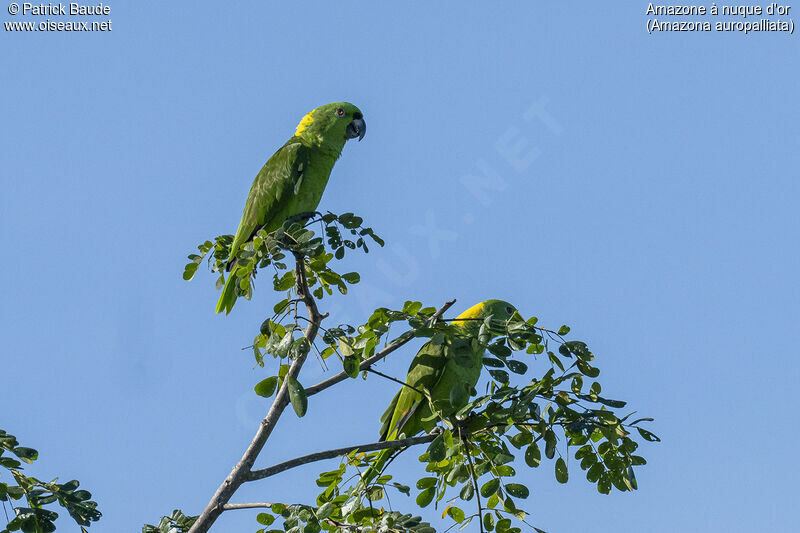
[(291, 182), (437, 373)]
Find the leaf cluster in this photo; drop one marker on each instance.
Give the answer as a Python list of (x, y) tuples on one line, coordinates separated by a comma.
[(337, 234), (177, 522), (35, 517)]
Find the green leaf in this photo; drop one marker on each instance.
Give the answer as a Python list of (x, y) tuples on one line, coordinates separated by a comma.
[(265, 519), (7, 462), (502, 458), (412, 308), (563, 330), (521, 439), (517, 490), (467, 492), (500, 375), (499, 349), (405, 489), (587, 370), (604, 484), (297, 395), (280, 307), (505, 471), (550, 444), (616, 404), (517, 367), (266, 387), (437, 450), (561, 470), (646, 435), (351, 366), (503, 526), (492, 362), (28, 455), (426, 496), (456, 514), (533, 456), (555, 360), (426, 482), (325, 511), (488, 521), (493, 500), (351, 277), (375, 493), (330, 276), (490, 487), (593, 474), (189, 271)]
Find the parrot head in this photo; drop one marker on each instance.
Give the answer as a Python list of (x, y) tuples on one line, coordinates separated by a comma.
[(499, 310), (334, 123)]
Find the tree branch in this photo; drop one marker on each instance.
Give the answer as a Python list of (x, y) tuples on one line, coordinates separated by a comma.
[(337, 452), (366, 363), (241, 470), (251, 505)]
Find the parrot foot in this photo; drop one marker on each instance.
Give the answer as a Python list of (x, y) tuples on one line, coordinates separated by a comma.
[(437, 430)]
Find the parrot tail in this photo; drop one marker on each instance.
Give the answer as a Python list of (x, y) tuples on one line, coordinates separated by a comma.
[(228, 296)]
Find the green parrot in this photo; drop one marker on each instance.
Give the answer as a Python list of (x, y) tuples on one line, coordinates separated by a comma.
[(291, 182), (442, 379)]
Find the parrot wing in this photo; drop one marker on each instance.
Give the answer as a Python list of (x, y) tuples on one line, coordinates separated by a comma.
[(425, 371), (277, 181)]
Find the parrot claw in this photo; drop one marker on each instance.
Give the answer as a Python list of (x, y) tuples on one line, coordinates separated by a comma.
[(437, 430)]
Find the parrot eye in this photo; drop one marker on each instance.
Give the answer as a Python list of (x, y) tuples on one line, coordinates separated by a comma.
[(340, 112), (510, 310)]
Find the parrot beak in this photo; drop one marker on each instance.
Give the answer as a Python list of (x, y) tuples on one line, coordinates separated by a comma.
[(356, 128)]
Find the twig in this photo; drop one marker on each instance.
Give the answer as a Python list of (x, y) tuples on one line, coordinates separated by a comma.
[(338, 452), (390, 378), (242, 469), (474, 483), (394, 345)]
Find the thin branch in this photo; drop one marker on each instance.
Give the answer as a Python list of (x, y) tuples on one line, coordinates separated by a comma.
[(241, 471), (338, 452), (390, 378), (394, 345), (474, 483), (251, 505)]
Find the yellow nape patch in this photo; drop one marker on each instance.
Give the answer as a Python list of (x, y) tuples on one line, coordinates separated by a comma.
[(472, 312), (305, 123)]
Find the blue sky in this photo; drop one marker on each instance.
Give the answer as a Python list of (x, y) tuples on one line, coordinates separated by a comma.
[(642, 189)]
